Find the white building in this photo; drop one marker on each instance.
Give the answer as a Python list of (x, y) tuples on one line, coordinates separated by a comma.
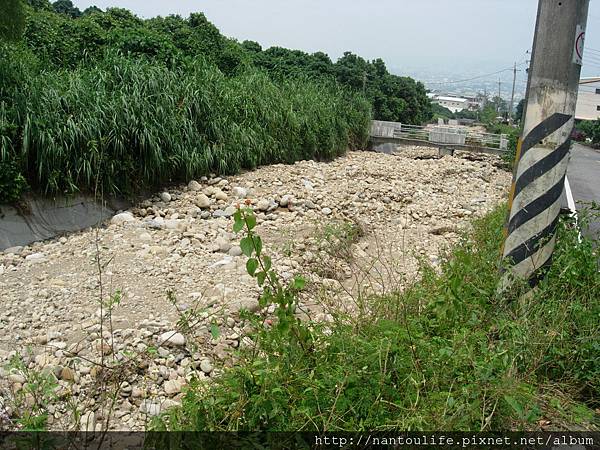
[(588, 99), (454, 104)]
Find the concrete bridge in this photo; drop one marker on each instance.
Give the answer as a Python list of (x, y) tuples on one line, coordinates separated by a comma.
[(446, 138)]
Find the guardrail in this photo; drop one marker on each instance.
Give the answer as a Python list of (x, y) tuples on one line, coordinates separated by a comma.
[(439, 134)]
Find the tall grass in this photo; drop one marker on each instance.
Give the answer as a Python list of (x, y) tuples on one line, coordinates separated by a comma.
[(139, 124)]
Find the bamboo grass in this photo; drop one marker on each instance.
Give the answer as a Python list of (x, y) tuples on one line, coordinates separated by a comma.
[(139, 124)]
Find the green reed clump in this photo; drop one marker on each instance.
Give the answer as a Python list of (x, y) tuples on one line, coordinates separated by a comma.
[(132, 123)]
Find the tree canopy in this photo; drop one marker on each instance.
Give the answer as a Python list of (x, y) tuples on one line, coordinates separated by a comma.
[(64, 37), (66, 7), (394, 98), (12, 20), (519, 110)]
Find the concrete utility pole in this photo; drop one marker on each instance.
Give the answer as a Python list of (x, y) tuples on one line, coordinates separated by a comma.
[(512, 97), (543, 150), (499, 92)]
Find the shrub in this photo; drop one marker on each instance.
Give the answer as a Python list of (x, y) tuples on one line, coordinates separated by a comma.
[(12, 182), (589, 129)]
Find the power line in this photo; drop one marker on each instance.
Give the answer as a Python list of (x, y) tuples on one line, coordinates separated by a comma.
[(593, 57), (477, 77)]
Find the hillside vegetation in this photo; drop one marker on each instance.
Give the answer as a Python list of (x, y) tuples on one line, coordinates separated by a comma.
[(111, 100)]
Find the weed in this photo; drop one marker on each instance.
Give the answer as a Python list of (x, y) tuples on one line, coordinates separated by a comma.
[(445, 353), (338, 238), (32, 396)]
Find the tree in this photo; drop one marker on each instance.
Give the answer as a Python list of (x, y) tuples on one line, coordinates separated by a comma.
[(205, 39), (320, 63), (144, 41), (467, 114), (40, 5), (233, 58), (352, 70), (441, 111), (499, 104), (66, 7), (65, 38), (590, 130), (91, 10), (489, 113), (252, 46), (12, 20), (519, 110)]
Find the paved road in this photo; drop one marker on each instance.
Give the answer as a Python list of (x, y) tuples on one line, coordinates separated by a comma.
[(584, 177)]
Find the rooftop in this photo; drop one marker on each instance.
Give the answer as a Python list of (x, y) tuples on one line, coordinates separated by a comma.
[(453, 99), (589, 80)]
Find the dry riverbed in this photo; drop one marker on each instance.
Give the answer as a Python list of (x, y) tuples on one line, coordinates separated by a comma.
[(176, 256)]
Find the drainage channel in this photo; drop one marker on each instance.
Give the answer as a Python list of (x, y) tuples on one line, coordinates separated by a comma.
[(39, 219)]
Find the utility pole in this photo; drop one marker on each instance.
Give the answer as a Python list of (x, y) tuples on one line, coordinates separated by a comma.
[(512, 97), (499, 93), (543, 149)]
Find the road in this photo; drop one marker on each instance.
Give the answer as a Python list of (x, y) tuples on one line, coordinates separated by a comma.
[(584, 178)]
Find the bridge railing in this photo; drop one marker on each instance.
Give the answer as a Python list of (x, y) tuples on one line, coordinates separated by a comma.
[(438, 134)]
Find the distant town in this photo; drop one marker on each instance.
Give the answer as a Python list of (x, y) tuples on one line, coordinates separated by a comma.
[(474, 98)]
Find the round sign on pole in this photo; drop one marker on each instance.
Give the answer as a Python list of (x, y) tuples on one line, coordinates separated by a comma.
[(579, 41)]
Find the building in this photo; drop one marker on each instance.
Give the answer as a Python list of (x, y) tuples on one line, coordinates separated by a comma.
[(588, 99), (476, 103), (454, 104)]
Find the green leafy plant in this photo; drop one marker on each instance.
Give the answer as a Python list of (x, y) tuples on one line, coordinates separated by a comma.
[(37, 392), (12, 182), (260, 266)]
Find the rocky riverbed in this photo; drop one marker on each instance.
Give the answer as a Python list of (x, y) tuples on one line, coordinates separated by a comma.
[(123, 316)]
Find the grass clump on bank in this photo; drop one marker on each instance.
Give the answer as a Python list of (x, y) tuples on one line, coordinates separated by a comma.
[(131, 123), (445, 354)]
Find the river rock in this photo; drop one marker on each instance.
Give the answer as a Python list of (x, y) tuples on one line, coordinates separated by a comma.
[(152, 408), (172, 339), (206, 366), (88, 422), (202, 201), (220, 195), (122, 218), (194, 186), (239, 192), (285, 201), (36, 257), (13, 250), (235, 251), (263, 205), (173, 387)]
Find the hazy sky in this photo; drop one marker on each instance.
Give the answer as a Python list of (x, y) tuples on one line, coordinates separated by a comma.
[(455, 36)]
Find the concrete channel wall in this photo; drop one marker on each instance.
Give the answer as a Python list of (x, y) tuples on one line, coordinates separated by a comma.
[(39, 219)]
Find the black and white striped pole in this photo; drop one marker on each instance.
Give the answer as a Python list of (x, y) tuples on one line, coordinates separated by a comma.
[(543, 150)]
